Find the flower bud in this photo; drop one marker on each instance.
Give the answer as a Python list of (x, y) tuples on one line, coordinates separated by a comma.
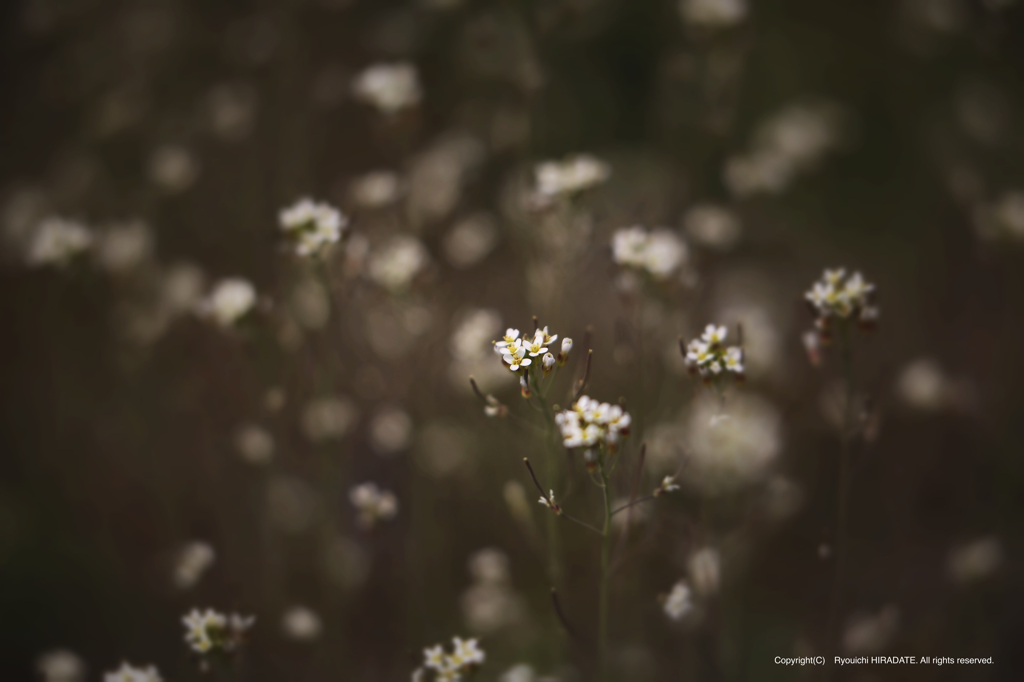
[(566, 347), (548, 362), (524, 386)]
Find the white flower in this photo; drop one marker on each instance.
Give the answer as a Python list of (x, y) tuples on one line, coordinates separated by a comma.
[(229, 301), (535, 346), (313, 226), (373, 503), (667, 485), (206, 631), (713, 334), (709, 357), (61, 665), (835, 296), (713, 13), (515, 356), (398, 262), (389, 87), (434, 657), (566, 345), (679, 602), (194, 560), (660, 252), (127, 673), (590, 423), (301, 624), (467, 652), (56, 241), (574, 174), (714, 227), (466, 655)]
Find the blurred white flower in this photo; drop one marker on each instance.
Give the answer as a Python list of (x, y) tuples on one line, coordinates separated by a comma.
[(709, 357), (373, 504), (128, 673), (713, 13), (659, 252), (518, 673), (254, 443), (193, 560), (56, 241), (591, 424), (390, 431), (489, 608), (61, 665), (121, 248), (786, 144), (705, 571), (489, 565), (438, 175), (231, 108), (181, 287), (301, 624), (870, 634), (389, 87), (975, 560), (726, 451), (679, 601), (471, 240), (570, 176), (173, 168), (376, 189), (328, 418), (1003, 218), (667, 485), (923, 385), (396, 264), (228, 302), (714, 227), (312, 226), (465, 657)]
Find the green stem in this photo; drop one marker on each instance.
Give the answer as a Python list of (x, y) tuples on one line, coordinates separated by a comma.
[(605, 554), (843, 505)]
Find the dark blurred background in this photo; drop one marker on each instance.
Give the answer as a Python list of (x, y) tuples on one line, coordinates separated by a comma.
[(886, 137)]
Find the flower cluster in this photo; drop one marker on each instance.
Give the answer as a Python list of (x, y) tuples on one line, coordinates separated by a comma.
[(679, 601), (590, 424), (709, 356), (127, 673), (373, 503), (209, 631), (312, 226), (838, 297), (571, 176), (518, 352), (659, 252), (466, 656)]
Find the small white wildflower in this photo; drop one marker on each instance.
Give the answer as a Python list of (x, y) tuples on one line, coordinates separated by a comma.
[(128, 673), (194, 559), (313, 226), (389, 87), (570, 176), (836, 298), (208, 631), (709, 357), (678, 603), (229, 301), (373, 503), (57, 240), (396, 264), (550, 503), (465, 657), (592, 424), (667, 485), (61, 665), (301, 624)]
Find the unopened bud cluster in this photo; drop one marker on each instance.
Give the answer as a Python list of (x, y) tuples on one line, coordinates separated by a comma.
[(709, 357)]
